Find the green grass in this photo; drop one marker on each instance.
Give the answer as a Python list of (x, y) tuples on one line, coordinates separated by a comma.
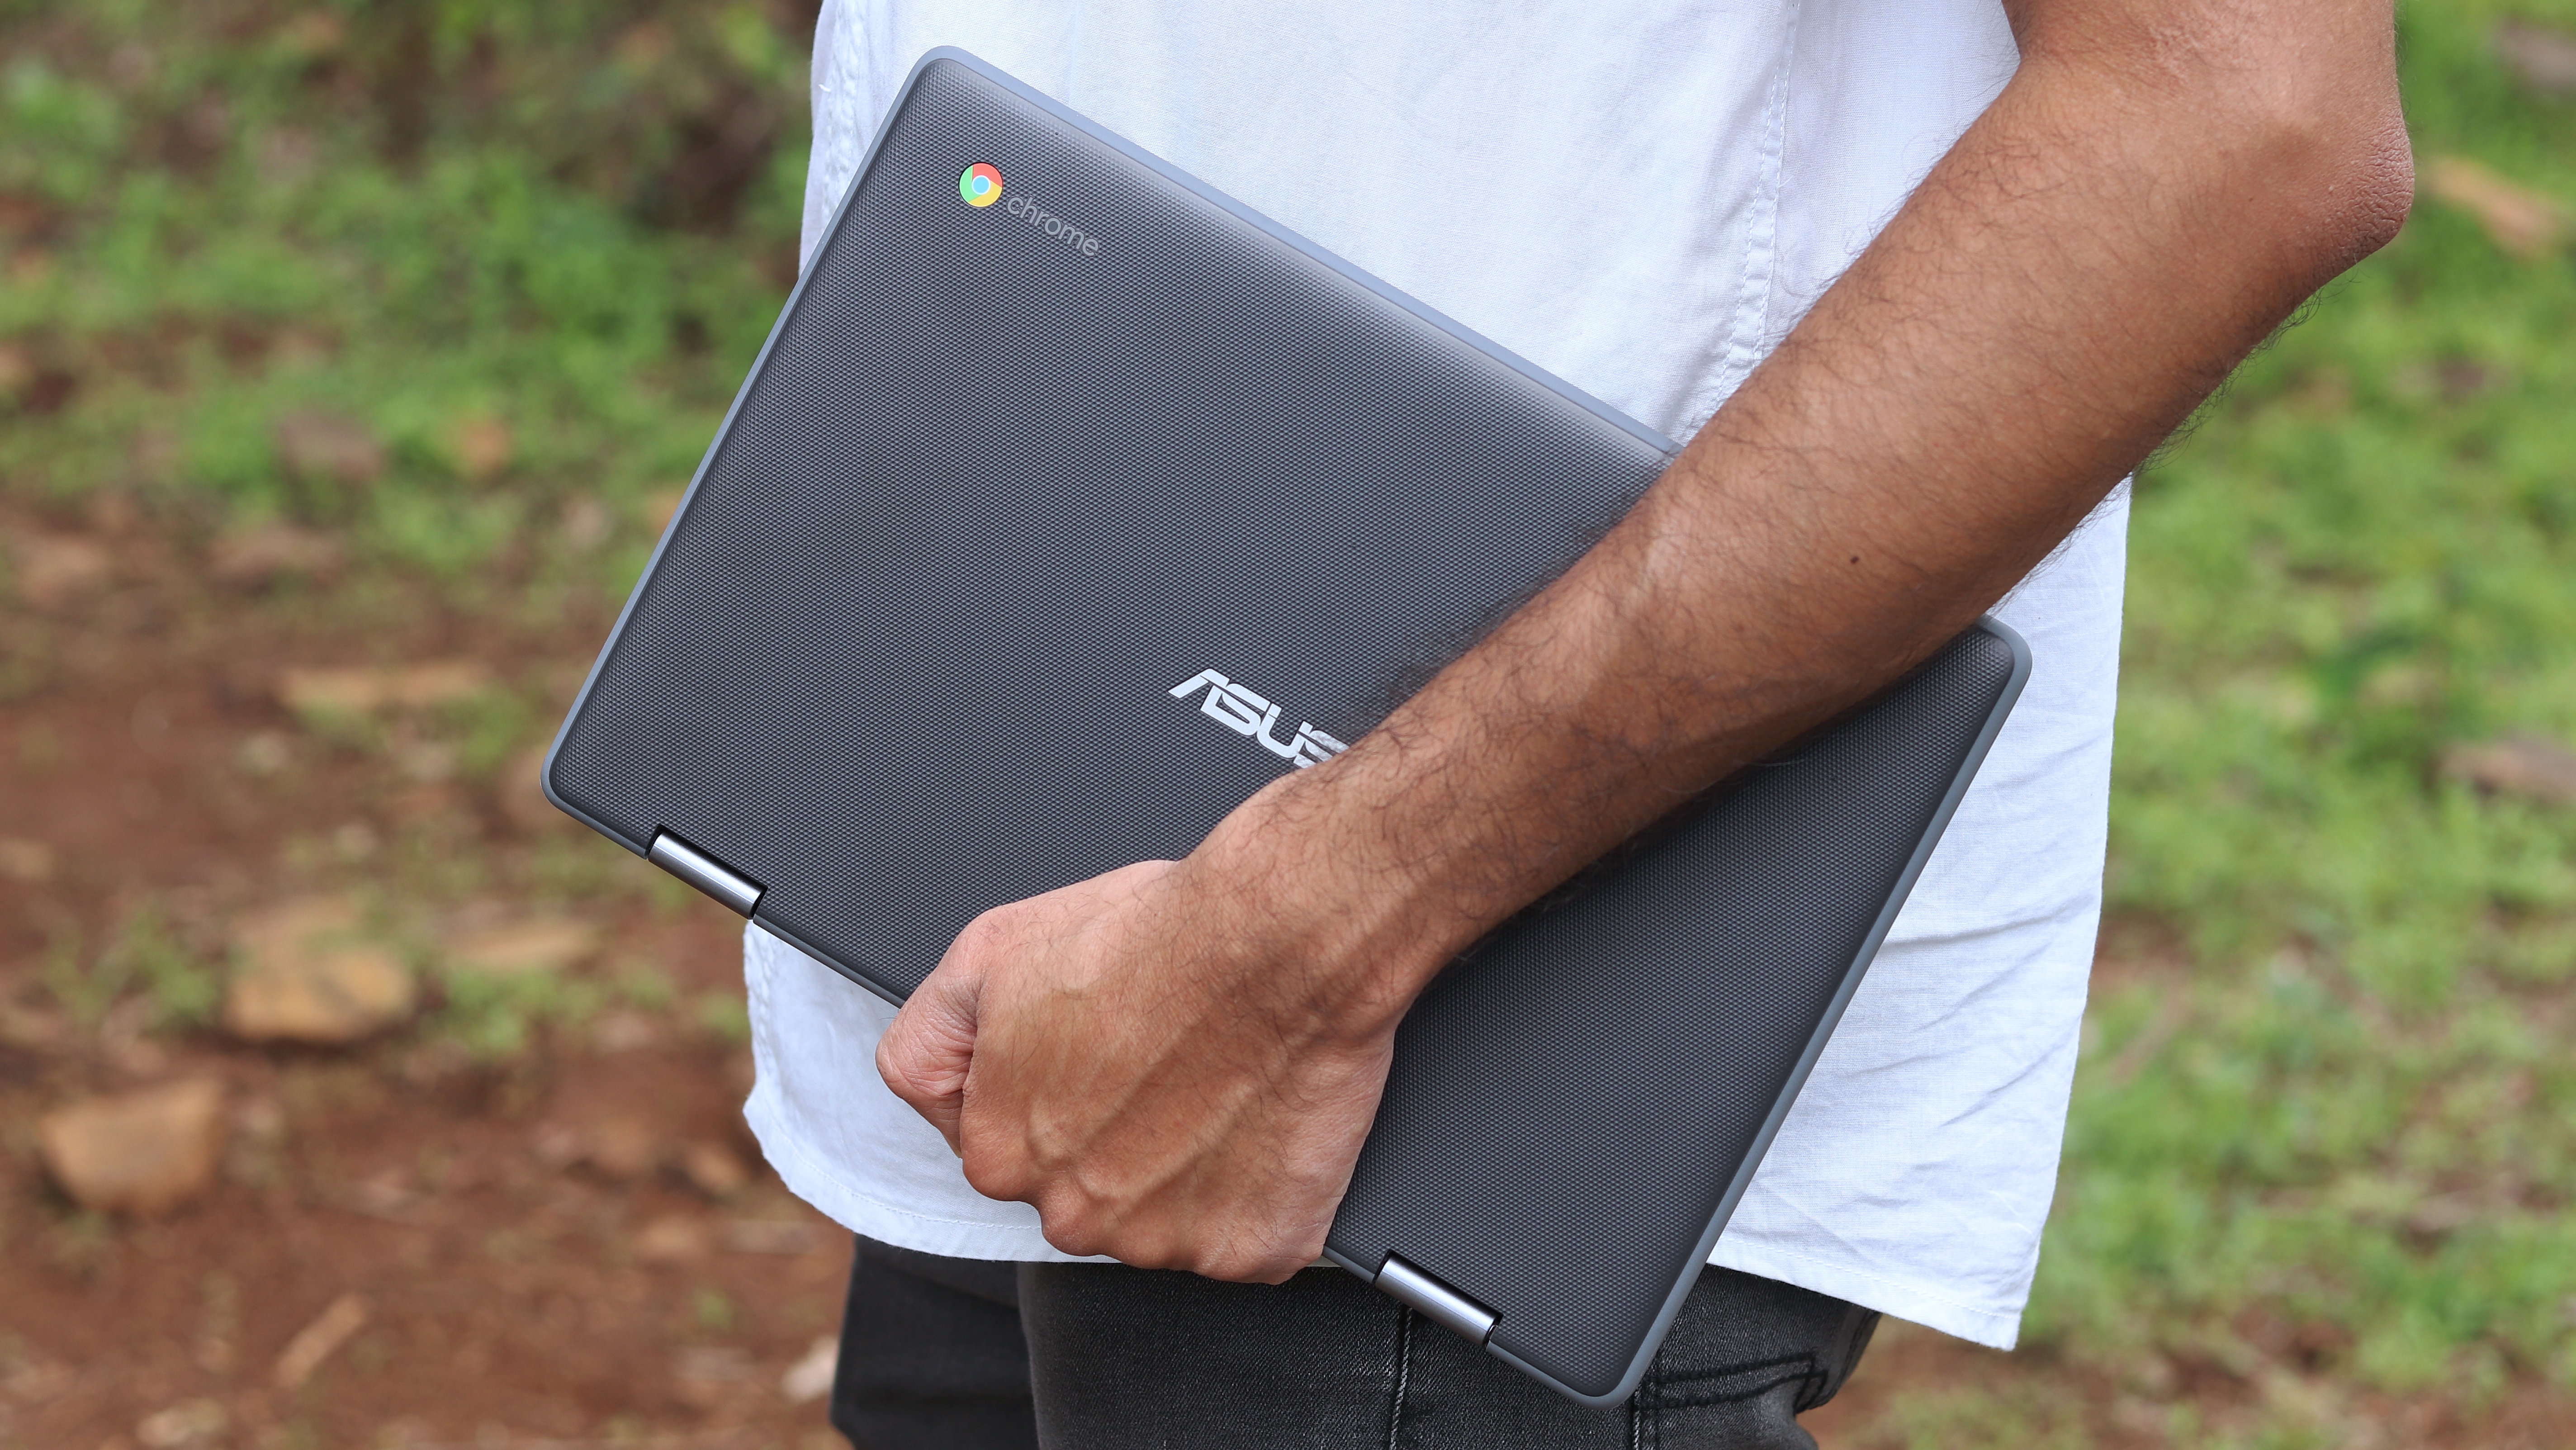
[(231, 215), (143, 956), (2327, 1129), (495, 1016), (2362, 1121)]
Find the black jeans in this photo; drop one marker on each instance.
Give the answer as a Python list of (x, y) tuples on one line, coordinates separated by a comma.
[(965, 1355)]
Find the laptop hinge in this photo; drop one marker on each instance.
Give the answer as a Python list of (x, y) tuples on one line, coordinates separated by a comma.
[(1434, 1300), (704, 872)]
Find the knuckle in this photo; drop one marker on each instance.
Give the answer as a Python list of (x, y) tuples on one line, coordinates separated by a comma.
[(991, 1177), (1077, 1225), (971, 945), (1076, 1236), (990, 930), (1084, 1247), (900, 1064)]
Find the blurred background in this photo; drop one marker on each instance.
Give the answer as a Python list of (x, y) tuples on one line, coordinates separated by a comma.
[(352, 355)]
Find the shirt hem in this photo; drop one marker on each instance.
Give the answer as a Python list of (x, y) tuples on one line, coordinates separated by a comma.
[(1995, 1329), (860, 1213)]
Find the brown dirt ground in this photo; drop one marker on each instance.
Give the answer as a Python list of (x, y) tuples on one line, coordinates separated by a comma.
[(513, 1297), (518, 1293)]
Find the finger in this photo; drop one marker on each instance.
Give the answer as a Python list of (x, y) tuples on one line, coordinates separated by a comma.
[(928, 1051), (1260, 1261)]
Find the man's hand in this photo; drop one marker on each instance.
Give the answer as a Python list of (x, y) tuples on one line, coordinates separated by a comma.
[(1176, 1063), (1152, 1059)]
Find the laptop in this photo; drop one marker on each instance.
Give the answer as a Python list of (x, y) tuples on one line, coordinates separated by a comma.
[(1071, 502)]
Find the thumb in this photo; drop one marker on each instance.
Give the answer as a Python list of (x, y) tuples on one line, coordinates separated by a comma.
[(925, 1055)]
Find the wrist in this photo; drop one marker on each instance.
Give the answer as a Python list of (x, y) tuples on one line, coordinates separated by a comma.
[(1337, 941)]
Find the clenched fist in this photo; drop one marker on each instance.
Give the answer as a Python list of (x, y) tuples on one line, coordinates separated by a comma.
[(1170, 1070)]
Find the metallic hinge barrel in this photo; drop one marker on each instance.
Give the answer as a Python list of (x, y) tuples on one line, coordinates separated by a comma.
[(704, 872), (1435, 1301)]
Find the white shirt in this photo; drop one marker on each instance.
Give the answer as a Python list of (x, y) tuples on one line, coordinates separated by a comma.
[(1641, 196)]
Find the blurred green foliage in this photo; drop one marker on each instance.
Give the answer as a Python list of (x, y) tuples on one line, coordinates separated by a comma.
[(144, 960), (524, 250), (2344, 1116), (494, 1016), (521, 254)]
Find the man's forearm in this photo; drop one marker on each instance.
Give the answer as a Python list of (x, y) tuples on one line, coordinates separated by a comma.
[(2155, 191), (1176, 1063)]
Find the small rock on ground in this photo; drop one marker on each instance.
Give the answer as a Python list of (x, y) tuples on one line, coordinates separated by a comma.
[(623, 1148), (317, 1341), (810, 1378), (714, 1169), (2545, 58), (303, 974), (327, 446), (535, 945), (2519, 220), (192, 1423), (29, 863), (481, 447), (2524, 765), (54, 569), (363, 691), (623, 1031), (269, 552), (619, 1147), (139, 1152), (673, 1241)]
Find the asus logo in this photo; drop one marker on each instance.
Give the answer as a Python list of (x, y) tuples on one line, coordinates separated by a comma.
[(1246, 713)]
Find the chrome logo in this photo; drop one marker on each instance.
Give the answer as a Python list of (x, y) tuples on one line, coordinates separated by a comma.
[(980, 184)]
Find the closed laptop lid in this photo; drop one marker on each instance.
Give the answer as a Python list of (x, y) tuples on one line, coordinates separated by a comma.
[(1069, 504), (1577, 1106), (1016, 465)]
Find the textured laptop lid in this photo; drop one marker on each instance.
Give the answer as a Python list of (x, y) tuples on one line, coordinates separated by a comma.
[(1577, 1106), (1069, 505), (910, 649)]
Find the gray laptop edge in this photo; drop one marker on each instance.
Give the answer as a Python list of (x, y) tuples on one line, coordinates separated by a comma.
[(1071, 502)]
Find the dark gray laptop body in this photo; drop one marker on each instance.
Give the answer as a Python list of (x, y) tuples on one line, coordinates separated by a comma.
[(1046, 530)]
